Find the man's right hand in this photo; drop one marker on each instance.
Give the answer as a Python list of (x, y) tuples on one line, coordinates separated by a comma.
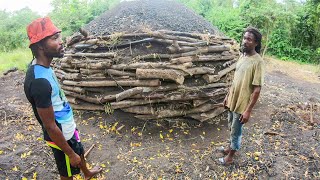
[(75, 160)]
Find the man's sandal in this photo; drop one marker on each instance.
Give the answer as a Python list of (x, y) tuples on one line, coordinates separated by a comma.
[(221, 149), (222, 162)]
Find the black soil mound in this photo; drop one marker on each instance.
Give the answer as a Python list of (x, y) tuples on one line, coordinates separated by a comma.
[(142, 15)]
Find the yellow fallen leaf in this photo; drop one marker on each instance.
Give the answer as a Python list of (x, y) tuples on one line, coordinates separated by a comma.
[(256, 158), (1, 152), (135, 160), (103, 165), (218, 129), (15, 168), (23, 155), (257, 154), (39, 139), (24, 178), (161, 136), (34, 176), (170, 130), (204, 133)]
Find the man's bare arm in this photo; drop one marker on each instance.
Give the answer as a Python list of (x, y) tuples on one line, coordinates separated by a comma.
[(48, 120)]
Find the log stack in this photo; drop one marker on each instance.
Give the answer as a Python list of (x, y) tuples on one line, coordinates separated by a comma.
[(154, 75)]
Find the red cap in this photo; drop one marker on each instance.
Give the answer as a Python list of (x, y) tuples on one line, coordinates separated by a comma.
[(40, 29)]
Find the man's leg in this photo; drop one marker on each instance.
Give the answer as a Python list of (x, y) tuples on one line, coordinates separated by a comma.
[(236, 134), (88, 174), (230, 121)]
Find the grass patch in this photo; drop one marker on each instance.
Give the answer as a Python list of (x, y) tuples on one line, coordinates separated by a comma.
[(17, 58)]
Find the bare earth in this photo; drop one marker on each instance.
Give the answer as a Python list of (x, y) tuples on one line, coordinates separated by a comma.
[(281, 140)]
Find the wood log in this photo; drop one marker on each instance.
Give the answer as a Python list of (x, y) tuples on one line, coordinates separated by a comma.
[(170, 37), (173, 113), (146, 110), (88, 107), (181, 60), (170, 98), (208, 115), (90, 61), (198, 102), (146, 65), (215, 78), (93, 55), (200, 70), (74, 89), (98, 65), (170, 74), (72, 100), (96, 100), (178, 33), (150, 83), (91, 71), (128, 93), (180, 43), (148, 96), (202, 50), (173, 49), (213, 58), (71, 70), (119, 73)]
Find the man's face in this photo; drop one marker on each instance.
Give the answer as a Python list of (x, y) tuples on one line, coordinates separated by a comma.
[(248, 42), (53, 46)]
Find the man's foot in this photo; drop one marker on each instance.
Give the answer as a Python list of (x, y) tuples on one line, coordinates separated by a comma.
[(224, 161), (223, 150), (92, 172)]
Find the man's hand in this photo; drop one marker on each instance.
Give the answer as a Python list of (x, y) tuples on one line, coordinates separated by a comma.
[(244, 118), (75, 160)]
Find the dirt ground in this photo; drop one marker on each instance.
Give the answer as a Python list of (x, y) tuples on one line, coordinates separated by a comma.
[(281, 140)]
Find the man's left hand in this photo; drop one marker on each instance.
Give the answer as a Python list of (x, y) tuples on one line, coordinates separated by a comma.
[(244, 118)]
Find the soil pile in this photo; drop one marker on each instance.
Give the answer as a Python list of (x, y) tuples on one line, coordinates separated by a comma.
[(135, 16)]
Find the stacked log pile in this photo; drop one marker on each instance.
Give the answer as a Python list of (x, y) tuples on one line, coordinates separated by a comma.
[(155, 75)]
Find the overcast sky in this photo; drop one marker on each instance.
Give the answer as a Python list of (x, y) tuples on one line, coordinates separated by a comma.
[(40, 6)]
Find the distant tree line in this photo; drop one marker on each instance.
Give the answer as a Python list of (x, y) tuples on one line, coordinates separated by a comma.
[(68, 15), (291, 28)]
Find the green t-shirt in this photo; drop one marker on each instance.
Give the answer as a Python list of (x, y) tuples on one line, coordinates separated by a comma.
[(249, 72)]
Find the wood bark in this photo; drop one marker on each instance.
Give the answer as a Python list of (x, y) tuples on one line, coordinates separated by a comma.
[(74, 89), (208, 115), (215, 78), (170, 74), (93, 55), (96, 100), (151, 83), (128, 93)]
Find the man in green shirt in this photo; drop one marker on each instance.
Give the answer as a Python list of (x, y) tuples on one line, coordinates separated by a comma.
[(244, 91)]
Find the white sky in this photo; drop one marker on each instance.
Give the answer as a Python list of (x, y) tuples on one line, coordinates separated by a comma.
[(42, 7)]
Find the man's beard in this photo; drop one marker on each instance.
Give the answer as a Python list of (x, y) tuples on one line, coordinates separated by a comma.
[(58, 54)]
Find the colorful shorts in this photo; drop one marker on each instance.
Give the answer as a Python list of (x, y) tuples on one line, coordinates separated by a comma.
[(62, 160)]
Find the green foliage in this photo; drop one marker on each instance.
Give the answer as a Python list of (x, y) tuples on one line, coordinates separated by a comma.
[(17, 58), (70, 15), (291, 30), (13, 28)]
